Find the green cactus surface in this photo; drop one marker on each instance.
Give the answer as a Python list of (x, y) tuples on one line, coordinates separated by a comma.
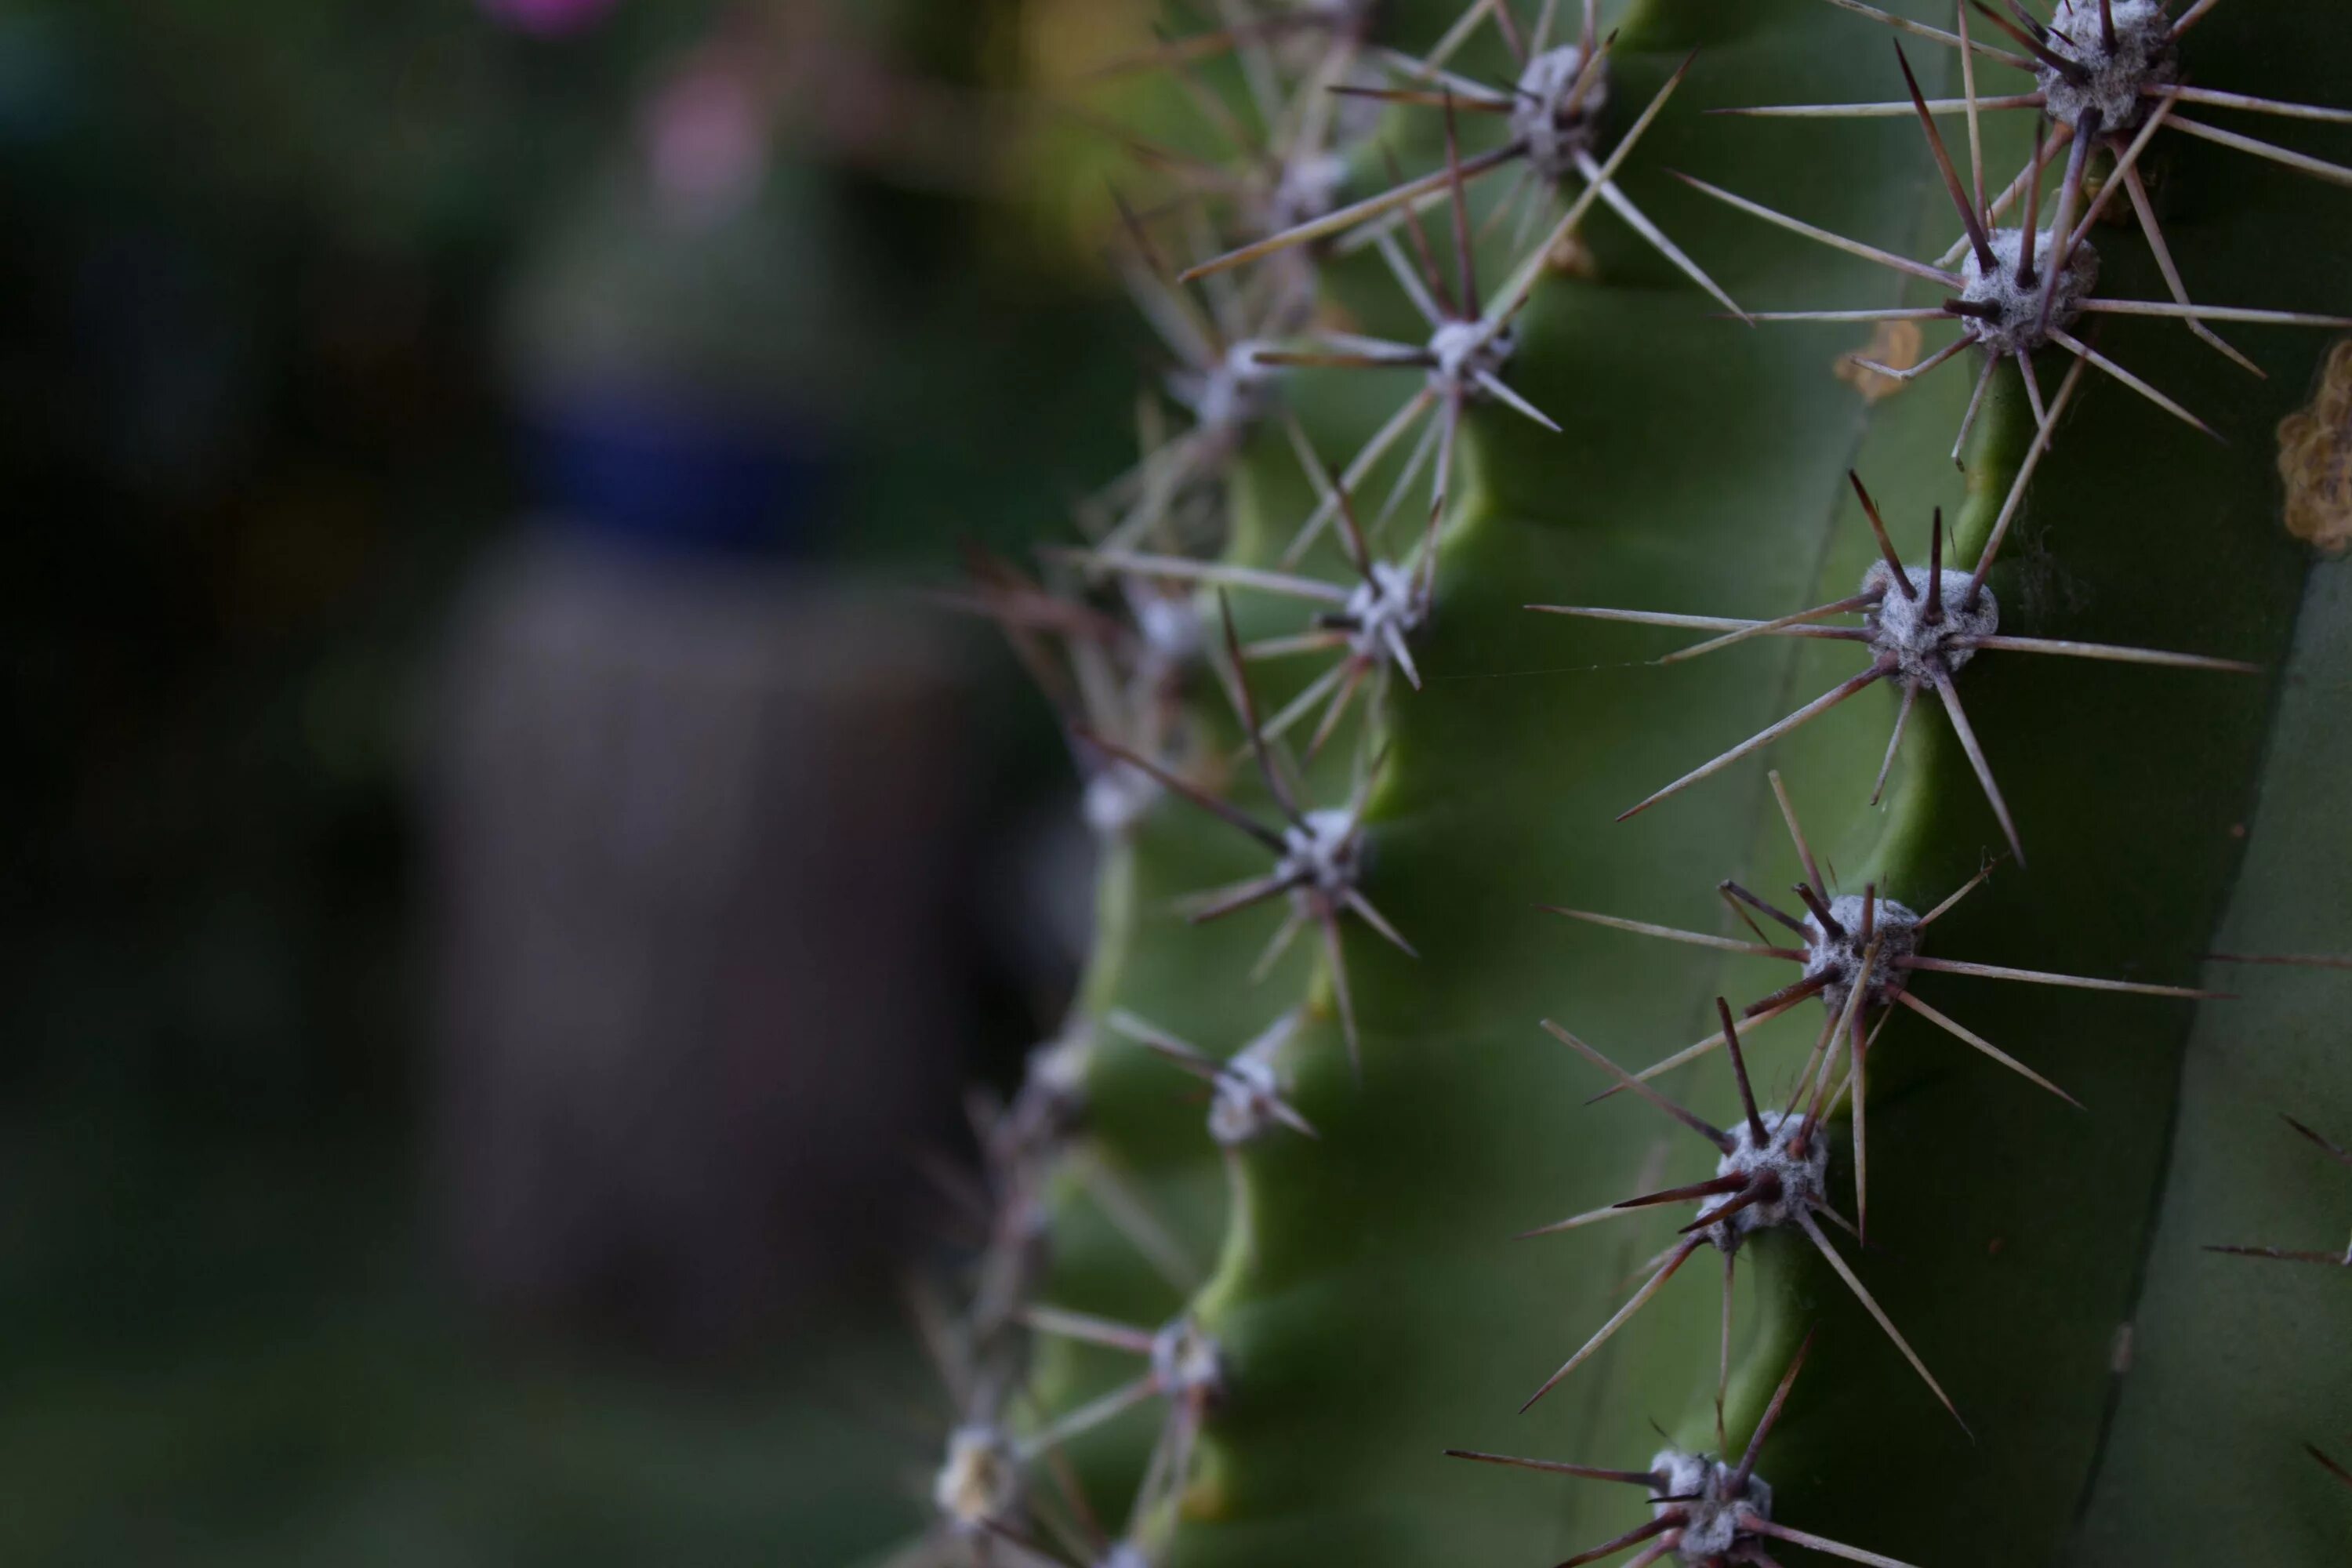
[(2129, 1396)]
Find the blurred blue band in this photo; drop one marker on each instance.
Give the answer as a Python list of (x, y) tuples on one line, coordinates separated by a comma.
[(659, 474)]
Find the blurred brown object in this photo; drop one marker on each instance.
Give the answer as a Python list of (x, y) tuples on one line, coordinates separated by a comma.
[(2314, 457), (696, 827)]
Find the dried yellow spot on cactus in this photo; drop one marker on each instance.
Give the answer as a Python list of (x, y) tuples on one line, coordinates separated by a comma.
[(2315, 458), (1894, 344), (1569, 256)]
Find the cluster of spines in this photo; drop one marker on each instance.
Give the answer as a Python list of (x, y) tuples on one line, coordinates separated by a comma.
[(2107, 78), (2018, 290), (1113, 635)]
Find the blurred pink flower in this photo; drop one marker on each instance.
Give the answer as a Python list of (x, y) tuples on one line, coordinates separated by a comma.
[(548, 18), (707, 133)]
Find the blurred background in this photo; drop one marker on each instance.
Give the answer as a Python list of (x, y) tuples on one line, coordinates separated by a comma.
[(504, 886)]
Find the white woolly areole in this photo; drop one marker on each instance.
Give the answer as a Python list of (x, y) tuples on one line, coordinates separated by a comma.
[(1894, 929), (2144, 56), (1052, 1094), (1058, 1067), (1900, 630), (1242, 1106), (1232, 395), (1306, 187), (1541, 117), (2016, 321), (1187, 1363), (1715, 1511), (1171, 630), (1803, 1178), (1387, 607), (1115, 798), (980, 1480), (1323, 849), (1463, 350)]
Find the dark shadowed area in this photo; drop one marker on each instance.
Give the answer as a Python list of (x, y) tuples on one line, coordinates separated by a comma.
[(503, 884)]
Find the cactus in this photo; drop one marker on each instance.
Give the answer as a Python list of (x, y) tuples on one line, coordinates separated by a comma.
[(1318, 1294)]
